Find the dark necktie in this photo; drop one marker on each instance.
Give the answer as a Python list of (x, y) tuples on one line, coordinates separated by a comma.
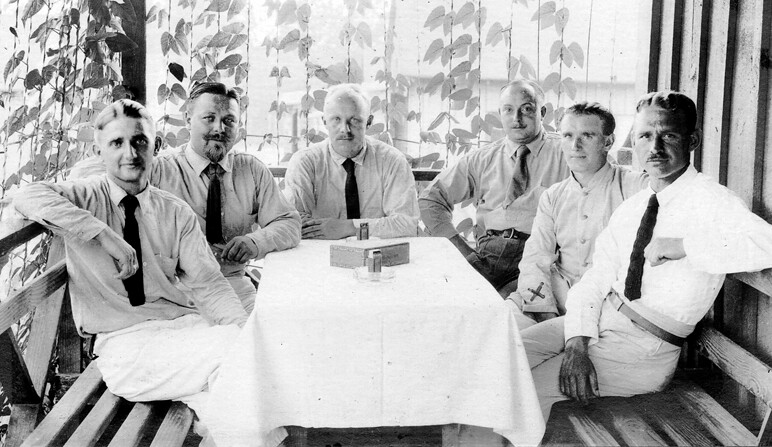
[(214, 205), (352, 193), (642, 239), (520, 177), (134, 284)]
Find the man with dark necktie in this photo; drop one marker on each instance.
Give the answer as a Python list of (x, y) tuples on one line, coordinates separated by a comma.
[(129, 248), (230, 192), (505, 180), (349, 179), (656, 270)]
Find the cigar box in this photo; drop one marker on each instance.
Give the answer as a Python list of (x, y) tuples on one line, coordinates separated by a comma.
[(354, 254)]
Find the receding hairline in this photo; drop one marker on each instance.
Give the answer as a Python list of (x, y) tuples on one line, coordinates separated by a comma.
[(353, 91), (537, 90)]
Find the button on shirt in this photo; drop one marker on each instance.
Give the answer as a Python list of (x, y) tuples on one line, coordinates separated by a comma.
[(316, 181), (484, 175), (720, 235), (251, 196), (173, 249), (567, 222)]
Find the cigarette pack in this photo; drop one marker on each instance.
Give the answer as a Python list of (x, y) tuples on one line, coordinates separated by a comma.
[(354, 254)]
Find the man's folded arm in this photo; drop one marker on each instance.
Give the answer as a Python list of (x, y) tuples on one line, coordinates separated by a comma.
[(539, 254), (436, 202), (278, 219), (57, 207), (211, 292)]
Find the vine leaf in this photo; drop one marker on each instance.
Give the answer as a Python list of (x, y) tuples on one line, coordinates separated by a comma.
[(434, 83), (198, 75), (236, 7), (438, 120), (229, 62), (167, 40), (218, 5), (434, 50), (177, 71), (237, 41), (561, 19), (365, 35), (494, 35), (570, 86), (119, 43), (578, 54), (462, 41), (95, 83), (555, 50), (465, 16), (551, 81), (471, 106), (303, 14), (461, 95), (526, 68), (289, 41), (464, 134), (462, 68), (33, 79), (179, 91), (287, 12), (32, 8), (493, 121), (435, 19), (482, 16), (546, 9), (163, 92), (220, 39), (234, 28)]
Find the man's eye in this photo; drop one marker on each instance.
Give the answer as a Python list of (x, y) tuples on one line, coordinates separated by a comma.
[(229, 121), (528, 109)]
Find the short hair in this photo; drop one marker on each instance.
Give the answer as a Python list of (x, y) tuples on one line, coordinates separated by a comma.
[(587, 108), (540, 98), (215, 88), (353, 90), (126, 108), (673, 102)]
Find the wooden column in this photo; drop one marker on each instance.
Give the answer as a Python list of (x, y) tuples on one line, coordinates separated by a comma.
[(134, 63)]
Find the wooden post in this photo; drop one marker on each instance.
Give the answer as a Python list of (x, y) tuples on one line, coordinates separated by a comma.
[(134, 63)]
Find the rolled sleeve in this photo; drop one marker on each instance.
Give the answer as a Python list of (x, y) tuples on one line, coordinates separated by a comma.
[(436, 202)]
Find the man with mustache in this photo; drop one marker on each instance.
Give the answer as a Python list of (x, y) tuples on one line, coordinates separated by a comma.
[(230, 192), (656, 271), (129, 246), (505, 179), (571, 214), (349, 179)]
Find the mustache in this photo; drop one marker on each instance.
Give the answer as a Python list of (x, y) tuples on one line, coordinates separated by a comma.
[(221, 137)]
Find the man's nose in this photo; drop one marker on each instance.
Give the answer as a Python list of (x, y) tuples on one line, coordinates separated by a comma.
[(129, 149)]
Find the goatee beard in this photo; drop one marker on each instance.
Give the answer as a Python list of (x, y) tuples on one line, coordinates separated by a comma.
[(215, 153)]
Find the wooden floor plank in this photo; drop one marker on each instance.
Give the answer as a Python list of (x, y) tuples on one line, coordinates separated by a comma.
[(132, 428), (591, 432), (88, 432), (722, 425), (88, 384), (175, 426)]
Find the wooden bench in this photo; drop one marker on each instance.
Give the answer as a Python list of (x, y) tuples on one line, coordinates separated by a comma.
[(684, 413), (88, 413)]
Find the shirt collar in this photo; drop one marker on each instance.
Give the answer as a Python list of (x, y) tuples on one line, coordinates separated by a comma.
[(600, 177), (199, 163), (117, 193), (339, 159), (674, 189), (534, 146)]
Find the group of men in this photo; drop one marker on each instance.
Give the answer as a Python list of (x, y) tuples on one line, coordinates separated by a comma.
[(157, 246)]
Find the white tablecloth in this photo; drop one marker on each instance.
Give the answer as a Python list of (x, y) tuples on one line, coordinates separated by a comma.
[(436, 346)]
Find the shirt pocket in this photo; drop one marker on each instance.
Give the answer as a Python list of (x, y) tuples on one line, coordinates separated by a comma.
[(169, 267)]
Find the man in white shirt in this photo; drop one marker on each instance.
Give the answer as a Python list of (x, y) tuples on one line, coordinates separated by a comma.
[(349, 179), (129, 247), (656, 271), (571, 214)]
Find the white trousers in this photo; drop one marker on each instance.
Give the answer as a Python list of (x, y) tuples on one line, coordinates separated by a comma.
[(628, 360), (165, 360)]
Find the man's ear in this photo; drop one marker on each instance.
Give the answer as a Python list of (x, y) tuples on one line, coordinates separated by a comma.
[(543, 111), (159, 142), (695, 139), (609, 141), (369, 121)]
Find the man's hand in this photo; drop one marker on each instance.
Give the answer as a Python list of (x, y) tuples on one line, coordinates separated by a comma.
[(577, 373), (461, 244), (328, 228), (240, 249), (663, 249), (123, 254)]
